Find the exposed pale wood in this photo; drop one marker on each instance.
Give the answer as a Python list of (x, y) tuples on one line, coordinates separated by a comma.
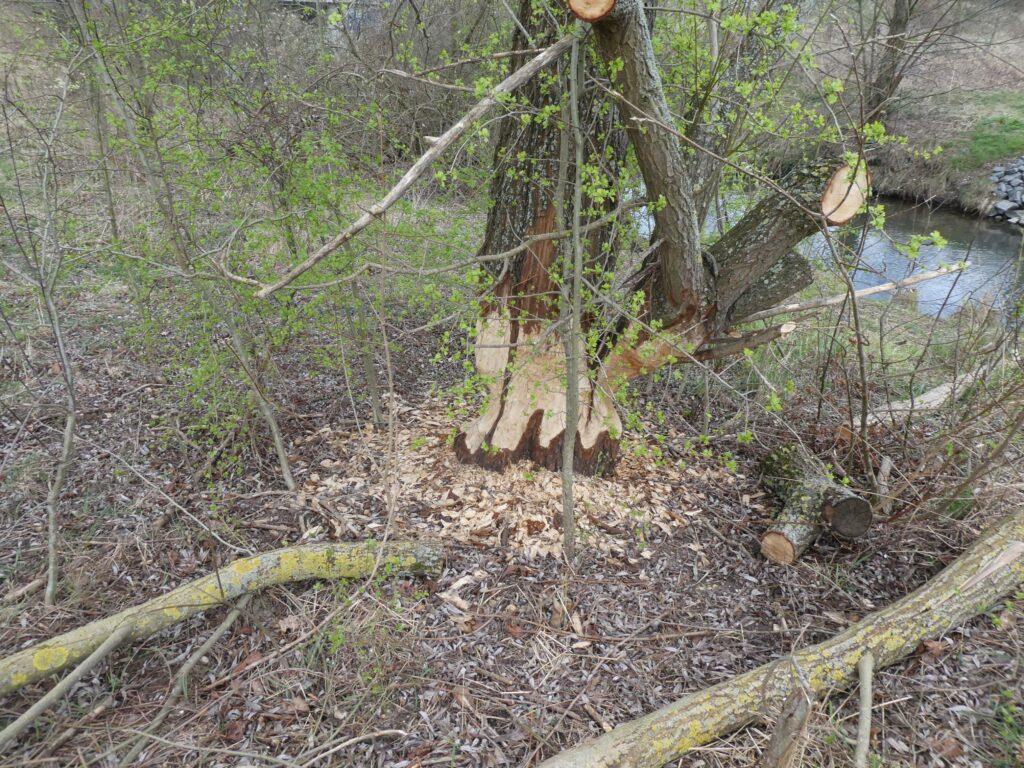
[(812, 499), (328, 560), (865, 670), (438, 148), (525, 412), (591, 10), (986, 572), (932, 400), (845, 194)]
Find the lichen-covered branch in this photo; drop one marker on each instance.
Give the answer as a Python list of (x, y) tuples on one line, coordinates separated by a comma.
[(987, 571), (333, 560)]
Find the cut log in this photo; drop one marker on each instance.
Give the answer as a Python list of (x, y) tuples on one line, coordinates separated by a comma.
[(811, 500), (986, 572), (591, 10), (333, 560), (845, 194)]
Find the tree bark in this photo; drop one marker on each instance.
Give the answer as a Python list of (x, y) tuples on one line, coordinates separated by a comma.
[(520, 345), (986, 572), (689, 294)]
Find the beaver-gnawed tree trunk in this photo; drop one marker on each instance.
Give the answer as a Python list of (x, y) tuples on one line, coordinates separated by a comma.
[(519, 352), (691, 294)]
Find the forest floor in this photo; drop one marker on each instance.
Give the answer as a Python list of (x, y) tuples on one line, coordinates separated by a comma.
[(505, 658)]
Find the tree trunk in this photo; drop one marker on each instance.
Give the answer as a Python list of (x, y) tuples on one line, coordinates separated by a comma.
[(892, 63), (690, 294), (520, 350)]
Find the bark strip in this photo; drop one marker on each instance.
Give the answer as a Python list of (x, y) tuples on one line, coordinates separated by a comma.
[(991, 568), (333, 560)]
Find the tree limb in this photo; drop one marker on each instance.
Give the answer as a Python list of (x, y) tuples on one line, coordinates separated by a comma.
[(987, 571), (328, 560), (378, 209)]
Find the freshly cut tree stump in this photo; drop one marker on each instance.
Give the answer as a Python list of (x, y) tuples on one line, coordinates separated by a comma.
[(986, 572), (846, 193), (812, 499), (332, 560)]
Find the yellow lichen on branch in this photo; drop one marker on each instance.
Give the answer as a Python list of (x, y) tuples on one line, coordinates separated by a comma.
[(332, 560), (989, 570)]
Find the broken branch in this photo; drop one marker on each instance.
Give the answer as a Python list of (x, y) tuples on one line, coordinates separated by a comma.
[(378, 209)]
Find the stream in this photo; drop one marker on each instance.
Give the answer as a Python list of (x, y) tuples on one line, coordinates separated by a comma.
[(995, 275)]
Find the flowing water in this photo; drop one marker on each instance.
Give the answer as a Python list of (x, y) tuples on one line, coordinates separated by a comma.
[(995, 275)]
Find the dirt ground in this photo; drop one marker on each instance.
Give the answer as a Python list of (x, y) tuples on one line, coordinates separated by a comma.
[(503, 660)]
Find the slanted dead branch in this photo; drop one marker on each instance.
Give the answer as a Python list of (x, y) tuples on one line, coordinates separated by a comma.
[(982, 575)]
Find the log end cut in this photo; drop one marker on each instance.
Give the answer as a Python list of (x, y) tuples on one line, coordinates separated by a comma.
[(591, 10), (775, 546), (850, 517), (845, 194)]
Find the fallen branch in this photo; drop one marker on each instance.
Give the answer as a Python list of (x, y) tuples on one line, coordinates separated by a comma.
[(717, 349), (16, 594), (449, 137), (932, 400), (831, 301), (865, 669), (332, 560), (987, 571), (15, 729), (784, 748)]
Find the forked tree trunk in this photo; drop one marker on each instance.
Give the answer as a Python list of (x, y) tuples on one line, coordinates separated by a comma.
[(690, 293)]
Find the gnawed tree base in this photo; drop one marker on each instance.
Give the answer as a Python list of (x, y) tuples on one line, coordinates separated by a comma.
[(989, 570), (524, 415), (312, 561), (812, 500)]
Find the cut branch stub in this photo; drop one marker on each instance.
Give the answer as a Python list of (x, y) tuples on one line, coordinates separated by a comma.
[(812, 500), (845, 194), (591, 10)]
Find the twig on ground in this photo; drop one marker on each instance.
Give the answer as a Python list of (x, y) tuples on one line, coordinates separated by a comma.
[(865, 669), (139, 742)]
